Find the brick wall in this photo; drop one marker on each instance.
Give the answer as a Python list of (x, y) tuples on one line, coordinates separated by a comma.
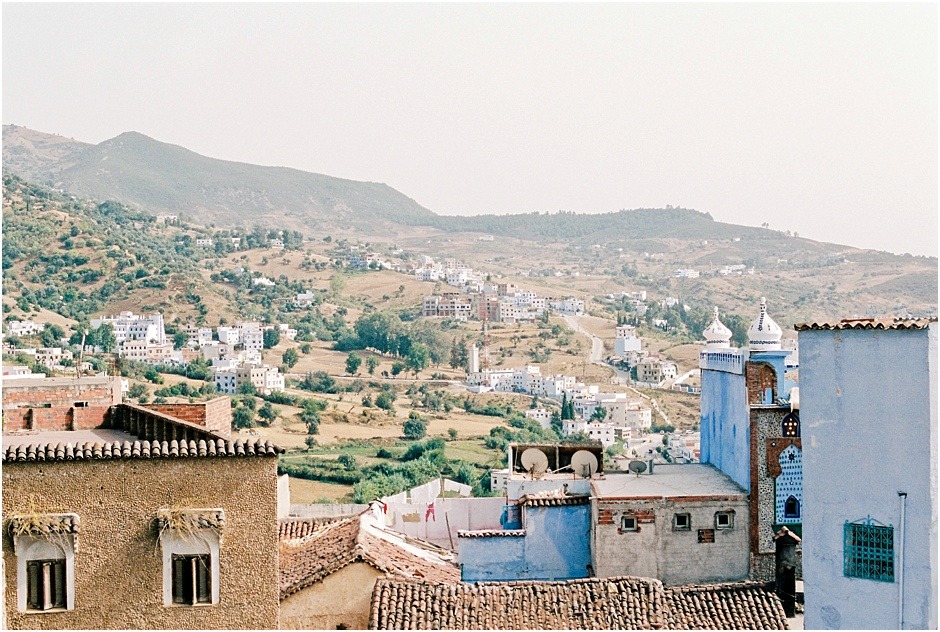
[(760, 376), (95, 391), (214, 415), (55, 418)]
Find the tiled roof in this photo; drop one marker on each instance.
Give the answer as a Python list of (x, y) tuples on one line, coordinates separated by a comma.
[(868, 323), (88, 450), (492, 533), (742, 606), (326, 550), (44, 524), (581, 604), (533, 500), (293, 528)]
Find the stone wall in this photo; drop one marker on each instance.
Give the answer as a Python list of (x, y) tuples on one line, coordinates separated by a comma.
[(118, 562)]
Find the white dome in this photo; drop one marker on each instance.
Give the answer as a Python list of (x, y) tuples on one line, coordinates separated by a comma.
[(764, 333), (717, 336)]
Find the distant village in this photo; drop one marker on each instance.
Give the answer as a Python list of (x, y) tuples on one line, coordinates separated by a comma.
[(736, 526)]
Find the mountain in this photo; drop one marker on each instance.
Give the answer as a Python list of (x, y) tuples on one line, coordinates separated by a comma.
[(161, 178)]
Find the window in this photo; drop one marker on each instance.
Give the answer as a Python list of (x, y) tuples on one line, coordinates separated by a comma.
[(192, 579), (791, 509), (682, 522), (869, 551), (45, 581), (628, 523), (724, 520), (790, 426)]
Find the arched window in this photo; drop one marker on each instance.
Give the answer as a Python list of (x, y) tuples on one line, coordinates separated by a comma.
[(790, 426), (791, 508)]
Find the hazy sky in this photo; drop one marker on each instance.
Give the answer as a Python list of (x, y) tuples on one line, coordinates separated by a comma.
[(821, 119)]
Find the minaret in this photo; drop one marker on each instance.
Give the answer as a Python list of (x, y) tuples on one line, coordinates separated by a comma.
[(717, 336), (764, 334)]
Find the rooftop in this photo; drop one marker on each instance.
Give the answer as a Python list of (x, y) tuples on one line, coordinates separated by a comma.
[(667, 481), (581, 604), (328, 548), (96, 435), (867, 323)]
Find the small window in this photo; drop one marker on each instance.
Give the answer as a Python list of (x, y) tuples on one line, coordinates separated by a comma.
[(682, 522), (628, 523), (81, 404), (791, 509), (869, 551), (724, 520), (192, 579), (46, 584)]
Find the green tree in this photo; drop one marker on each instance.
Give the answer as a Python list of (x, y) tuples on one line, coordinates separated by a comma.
[(137, 390), (348, 461), (268, 412), (397, 367), (51, 335), (599, 414), (180, 339), (353, 361), (371, 364), (415, 427), (271, 337), (452, 434), (246, 388), (243, 417), (290, 358), (384, 400), (417, 359)]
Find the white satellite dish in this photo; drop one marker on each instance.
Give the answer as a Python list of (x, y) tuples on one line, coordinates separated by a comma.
[(637, 467), (534, 461), (584, 463)]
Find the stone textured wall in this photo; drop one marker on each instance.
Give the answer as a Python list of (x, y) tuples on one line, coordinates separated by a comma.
[(118, 564), (215, 415), (345, 597), (674, 557), (760, 377)]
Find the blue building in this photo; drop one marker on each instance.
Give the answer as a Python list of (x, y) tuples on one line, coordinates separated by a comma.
[(750, 430), (868, 391), (552, 543)]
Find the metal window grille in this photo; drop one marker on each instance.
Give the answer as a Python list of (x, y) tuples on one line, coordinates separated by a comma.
[(869, 551)]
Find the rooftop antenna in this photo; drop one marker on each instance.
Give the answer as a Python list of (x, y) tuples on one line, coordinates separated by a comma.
[(584, 463), (535, 462), (81, 355)]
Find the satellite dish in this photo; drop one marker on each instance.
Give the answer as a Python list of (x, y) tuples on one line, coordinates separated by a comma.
[(584, 463), (637, 467), (534, 461)]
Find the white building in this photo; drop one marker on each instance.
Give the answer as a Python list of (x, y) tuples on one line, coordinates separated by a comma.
[(868, 412), (143, 351), (203, 242), (23, 328), (262, 281), (541, 415), (626, 341), (286, 331), (304, 299), (229, 335), (264, 378), (130, 326)]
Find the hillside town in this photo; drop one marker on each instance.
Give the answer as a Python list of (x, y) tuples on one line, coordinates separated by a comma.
[(676, 538)]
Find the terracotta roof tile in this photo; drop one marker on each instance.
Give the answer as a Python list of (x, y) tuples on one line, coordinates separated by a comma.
[(96, 450), (333, 546), (492, 533), (293, 528), (581, 604), (868, 323), (532, 500)]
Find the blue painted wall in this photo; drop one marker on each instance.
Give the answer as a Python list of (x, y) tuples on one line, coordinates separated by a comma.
[(725, 425), (868, 409), (556, 545)]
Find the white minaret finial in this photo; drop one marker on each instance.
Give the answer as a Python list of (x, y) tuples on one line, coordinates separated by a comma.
[(764, 333), (717, 336)]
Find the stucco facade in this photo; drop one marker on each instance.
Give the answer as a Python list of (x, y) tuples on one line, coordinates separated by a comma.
[(657, 549), (868, 399), (344, 598), (553, 544), (118, 561)]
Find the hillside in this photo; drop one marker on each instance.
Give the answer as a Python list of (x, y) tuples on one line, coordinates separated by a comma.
[(162, 178)]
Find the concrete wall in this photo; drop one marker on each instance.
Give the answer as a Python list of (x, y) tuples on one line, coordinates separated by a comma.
[(725, 425), (869, 424), (556, 546), (343, 598), (657, 550), (118, 562), (61, 392), (459, 513)]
